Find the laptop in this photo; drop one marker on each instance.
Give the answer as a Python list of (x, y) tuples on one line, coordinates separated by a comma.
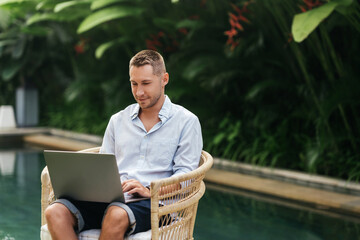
[(90, 177)]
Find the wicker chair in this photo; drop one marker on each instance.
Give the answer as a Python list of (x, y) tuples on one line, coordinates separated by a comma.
[(173, 220)]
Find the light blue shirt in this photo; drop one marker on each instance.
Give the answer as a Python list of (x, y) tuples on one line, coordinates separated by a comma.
[(172, 146)]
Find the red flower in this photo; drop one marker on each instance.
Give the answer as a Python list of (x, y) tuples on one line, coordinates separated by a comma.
[(310, 4), (244, 19), (150, 45), (302, 8), (234, 20), (194, 17), (183, 31), (80, 46), (231, 33), (233, 17)]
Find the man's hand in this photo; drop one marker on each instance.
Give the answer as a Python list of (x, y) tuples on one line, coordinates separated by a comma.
[(134, 187)]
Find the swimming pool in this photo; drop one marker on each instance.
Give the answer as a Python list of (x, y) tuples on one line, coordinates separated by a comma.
[(221, 214)]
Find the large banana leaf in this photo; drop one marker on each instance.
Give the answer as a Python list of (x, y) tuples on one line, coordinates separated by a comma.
[(10, 69), (107, 14), (104, 3), (61, 6), (12, 2), (305, 23), (105, 46), (59, 17)]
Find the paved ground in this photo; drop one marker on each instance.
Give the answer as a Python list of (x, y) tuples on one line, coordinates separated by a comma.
[(58, 143)]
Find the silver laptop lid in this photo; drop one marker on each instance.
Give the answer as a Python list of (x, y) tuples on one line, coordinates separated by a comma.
[(84, 176)]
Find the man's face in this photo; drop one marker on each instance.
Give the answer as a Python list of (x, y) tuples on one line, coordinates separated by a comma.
[(146, 87)]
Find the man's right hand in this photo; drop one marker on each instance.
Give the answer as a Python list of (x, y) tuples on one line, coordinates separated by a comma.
[(134, 187)]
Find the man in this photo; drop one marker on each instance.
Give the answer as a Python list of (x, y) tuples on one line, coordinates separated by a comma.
[(152, 139)]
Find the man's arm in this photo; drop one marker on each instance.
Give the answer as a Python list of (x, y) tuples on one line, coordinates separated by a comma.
[(190, 145)]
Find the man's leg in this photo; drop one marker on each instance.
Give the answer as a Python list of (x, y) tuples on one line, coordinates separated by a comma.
[(61, 222), (115, 224)]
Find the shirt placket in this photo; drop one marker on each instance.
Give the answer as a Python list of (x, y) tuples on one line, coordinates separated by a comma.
[(143, 148)]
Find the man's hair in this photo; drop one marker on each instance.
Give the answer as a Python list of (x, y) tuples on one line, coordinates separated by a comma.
[(150, 57)]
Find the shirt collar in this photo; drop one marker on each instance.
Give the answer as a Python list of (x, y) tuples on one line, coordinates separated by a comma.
[(164, 111), (135, 112)]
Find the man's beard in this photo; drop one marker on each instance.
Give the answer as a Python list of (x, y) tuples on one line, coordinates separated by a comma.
[(152, 103)]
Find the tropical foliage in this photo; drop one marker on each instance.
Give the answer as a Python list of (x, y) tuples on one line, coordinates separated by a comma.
[(273, 82)]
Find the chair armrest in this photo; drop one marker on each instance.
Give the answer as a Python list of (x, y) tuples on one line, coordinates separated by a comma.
[(174, 210), (47, 193)]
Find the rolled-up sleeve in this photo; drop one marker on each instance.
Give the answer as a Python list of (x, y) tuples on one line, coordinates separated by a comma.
[(190, 145)]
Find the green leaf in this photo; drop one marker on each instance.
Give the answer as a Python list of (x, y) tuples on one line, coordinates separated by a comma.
[(19, 47), (164, 24), (104, 3), (10, 70), (235, 132), (105, 46), (197, 66), (343, 2), (10, 2), (4, 19), (343, 6), (40, 5), (68, 17), (61, 6), (107, 14), (305, 23), (43, 17), (35, 30), (7, 42), (45, 5), (218, 138), (258, 88), (192, 24)]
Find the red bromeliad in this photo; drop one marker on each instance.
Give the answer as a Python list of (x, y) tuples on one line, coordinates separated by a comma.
[(164, 41), (236, 20), (80, 46)]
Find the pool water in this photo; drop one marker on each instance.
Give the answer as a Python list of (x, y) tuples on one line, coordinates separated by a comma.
[(221, 215), (20, 191)]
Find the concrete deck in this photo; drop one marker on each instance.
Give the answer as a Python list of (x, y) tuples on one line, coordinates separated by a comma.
[(335, 195), (57, 143)]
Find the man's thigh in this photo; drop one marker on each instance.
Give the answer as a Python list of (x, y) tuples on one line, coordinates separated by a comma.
[(88, 215)]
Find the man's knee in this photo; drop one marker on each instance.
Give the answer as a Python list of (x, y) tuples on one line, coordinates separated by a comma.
[(57, 212), (117, 216)]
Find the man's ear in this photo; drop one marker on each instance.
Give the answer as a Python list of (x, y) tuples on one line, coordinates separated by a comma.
[(165, 79)]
